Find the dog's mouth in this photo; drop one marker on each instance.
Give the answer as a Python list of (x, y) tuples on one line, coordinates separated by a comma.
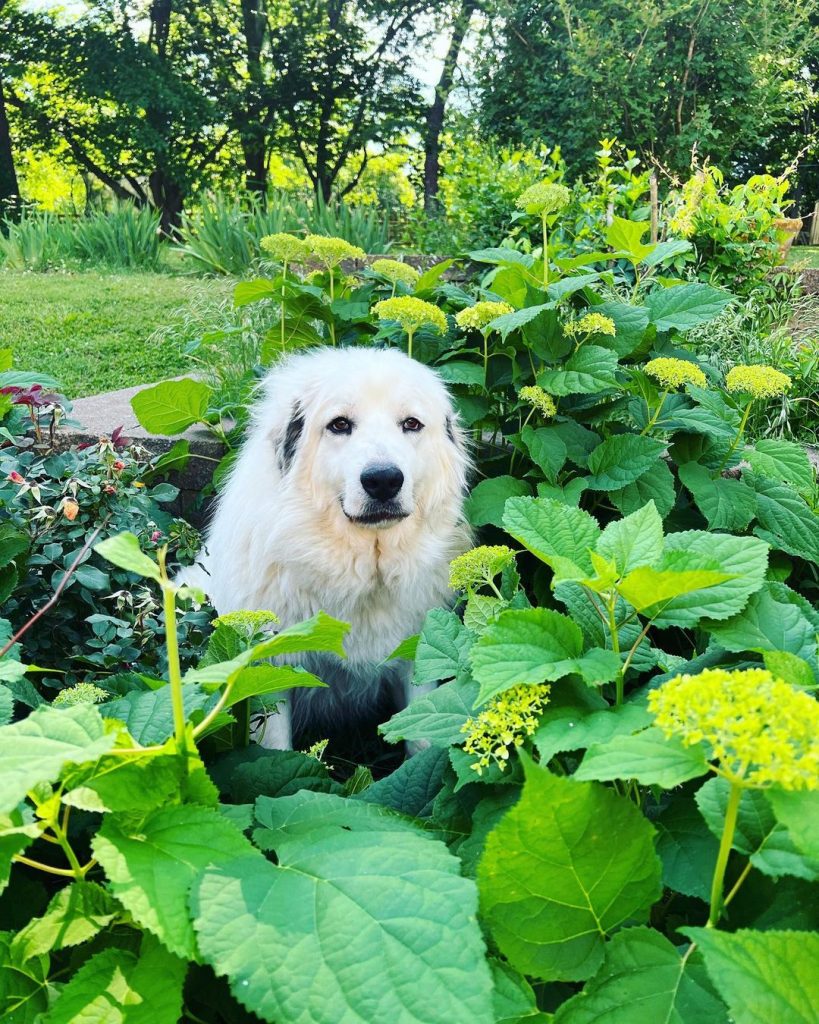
[(377, 513)]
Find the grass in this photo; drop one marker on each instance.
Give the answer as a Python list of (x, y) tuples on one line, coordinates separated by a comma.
[(805, 256), (92, 331)]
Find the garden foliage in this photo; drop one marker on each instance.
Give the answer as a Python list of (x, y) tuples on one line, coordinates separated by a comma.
[(616, 802)]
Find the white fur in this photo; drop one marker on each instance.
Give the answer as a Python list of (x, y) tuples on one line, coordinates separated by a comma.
[(282, 538)]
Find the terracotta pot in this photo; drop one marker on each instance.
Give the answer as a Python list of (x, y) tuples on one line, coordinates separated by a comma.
[(787, 228)]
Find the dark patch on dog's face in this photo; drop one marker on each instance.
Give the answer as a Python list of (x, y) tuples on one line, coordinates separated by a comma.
[(292, 435), (450, 433)]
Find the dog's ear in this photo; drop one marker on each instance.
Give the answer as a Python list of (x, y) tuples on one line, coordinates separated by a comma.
[(289, 440)]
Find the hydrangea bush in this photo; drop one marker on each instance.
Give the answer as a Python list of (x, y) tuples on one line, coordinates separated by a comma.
[(612, 814)]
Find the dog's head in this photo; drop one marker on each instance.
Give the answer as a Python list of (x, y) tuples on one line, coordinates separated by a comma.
[(366, 434)]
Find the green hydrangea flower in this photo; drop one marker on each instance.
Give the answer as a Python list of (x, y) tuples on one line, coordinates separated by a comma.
[(479, 566), (539, 399), (479, 316), (543, 198), (81, 693), (590, 323), (286, 248), (411, 313), (673, 373), (395, 271), (330, 251), (504, 722), (248, 623), (758, 381)]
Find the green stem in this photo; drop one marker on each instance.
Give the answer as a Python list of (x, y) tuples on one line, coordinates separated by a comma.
[(545, 253), (172, 644), (656, 415), (485, 357), (738, 438), (409, 342), (284, 277), (615, 646), (205, 723), (71, 857), (18, 858), (728, 829), (332, 299)]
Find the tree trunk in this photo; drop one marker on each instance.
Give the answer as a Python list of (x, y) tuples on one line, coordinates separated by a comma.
[(168, 197), (253, 132), (435, 114), (9, 188)]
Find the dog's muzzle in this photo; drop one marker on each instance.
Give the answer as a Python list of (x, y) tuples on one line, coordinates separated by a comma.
[(381, 483)]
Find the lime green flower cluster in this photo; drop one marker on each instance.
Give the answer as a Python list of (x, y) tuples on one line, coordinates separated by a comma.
[(479, 316), (506, 721), (590, 323), (758, 381), (539, 399), (543, 198), (411, 313), (247, 623), (763, 731), (330, 251), (673, 373), (479, 566), (396, 271), (286, 248), (81, 693)]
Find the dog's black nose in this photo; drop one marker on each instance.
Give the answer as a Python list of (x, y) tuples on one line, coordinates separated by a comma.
[(382, 482)]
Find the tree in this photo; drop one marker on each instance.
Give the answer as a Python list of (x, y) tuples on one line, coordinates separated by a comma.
[(435, 114), (9, 187), (661, 75)]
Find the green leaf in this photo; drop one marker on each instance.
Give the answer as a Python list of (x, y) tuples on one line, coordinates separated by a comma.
[(772, 620), (656, 484), (509, 322), (17, 831), (792, 669), (117, 986), (687, 848), (630, 323), (667, 250), (621, 460), (763, 976), (459, 371), (260, 679), (564, 286), (798, 811), (625, 236), (569, 864), (644, 978), (413, 787), (76, 914), (587, 371), (726, 504), (486, 502), (303, 811), (525, 646), (321, 632), (24, 987), (6, 705), (500, 255), (650, 588), (259, 288), (12, 543), (37, 748), (546, 449), (786, 461), (785, 520), (437, 717), (431, 276), (442, 647), (559, 535), (124, 551), (513, 999), (148, 714), (634, 541), (278, 773), (380, 924), (172, 406), (686, 306), (575, 722), (744, 559), (151, 864), (649, 757)]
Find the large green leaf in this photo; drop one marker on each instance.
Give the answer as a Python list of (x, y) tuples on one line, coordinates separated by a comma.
[(576, 719), (75, 914), (625, 236), (586, 372), (559, 535), (646, 588), (509, 322), (644, 978), (649, 757), (302, 811), (744, 559), (486, 502), (442, 647), (151, 864), (569, 864), (437, 717), (798, 811), (630, 323), (774, 619), (118, 987), (621, 460), (347, 927), (37, 748), (413, 787), (148, 714), (687, 848), (17, 831), (172, 406), (686, 306), (726, 504), (546, 449), (634, 541), (24, 987), (785, 520), (513, 999), (764, 977), (564, 286), (786, 461), (124, 550), (656, 484)]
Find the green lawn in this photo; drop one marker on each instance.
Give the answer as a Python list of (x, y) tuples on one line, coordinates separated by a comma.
[(806, 256), (92, 330)]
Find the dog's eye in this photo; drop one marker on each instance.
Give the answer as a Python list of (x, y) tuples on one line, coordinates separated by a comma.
[(340, 425), (412, 425)]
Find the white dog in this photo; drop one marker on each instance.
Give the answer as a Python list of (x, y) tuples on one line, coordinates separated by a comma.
[(347, 498)]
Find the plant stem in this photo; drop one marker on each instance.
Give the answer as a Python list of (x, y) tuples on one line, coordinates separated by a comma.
[(409, 342), (545, 253), (611, 604), (172, 644), (71, 857), (332, 300), (18, 858), (656, 415), (728, 829), (203, 725), (737, 439), (284, 279)]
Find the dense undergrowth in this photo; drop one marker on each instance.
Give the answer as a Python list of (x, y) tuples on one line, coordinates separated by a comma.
[(617, 804)]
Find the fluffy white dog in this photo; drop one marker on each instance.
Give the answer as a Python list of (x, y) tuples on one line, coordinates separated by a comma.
[(347, 498)]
